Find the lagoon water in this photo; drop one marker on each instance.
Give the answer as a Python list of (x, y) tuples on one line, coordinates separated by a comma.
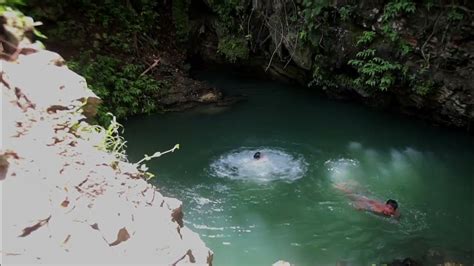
[(286, 207)]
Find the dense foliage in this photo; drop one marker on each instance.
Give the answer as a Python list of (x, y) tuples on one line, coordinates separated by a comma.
[(180, 9), (109, 42), (122, 87), (360, 45), (233, 48), (233, 42), (378, 62), (379, 72)]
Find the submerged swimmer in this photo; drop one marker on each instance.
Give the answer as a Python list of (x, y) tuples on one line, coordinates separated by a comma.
[(260, 160), (257, 155), (389, 209)]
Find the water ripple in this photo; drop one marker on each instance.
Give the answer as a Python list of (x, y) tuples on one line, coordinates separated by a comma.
[(275, 164)]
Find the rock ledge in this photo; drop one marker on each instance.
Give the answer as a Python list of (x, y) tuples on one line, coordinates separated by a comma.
[(66, 200)]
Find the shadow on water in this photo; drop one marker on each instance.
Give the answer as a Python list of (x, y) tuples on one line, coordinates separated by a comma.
[(304, 220)]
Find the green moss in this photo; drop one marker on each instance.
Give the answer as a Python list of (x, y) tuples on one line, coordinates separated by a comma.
[(420, 83), (423, 87)]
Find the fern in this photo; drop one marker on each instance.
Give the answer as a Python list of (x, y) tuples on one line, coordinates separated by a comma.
[(374, 72), (396, 7), (366, 53), (392, 10), (366, 38)]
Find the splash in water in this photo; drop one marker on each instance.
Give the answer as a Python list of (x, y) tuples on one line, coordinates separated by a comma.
[(274, 164), (341, 170)]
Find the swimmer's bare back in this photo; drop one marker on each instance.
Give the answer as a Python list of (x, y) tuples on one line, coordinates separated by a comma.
[(363, 203)]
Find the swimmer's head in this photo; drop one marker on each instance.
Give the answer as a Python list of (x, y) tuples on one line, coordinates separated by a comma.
[(257, 155), (392, 205)]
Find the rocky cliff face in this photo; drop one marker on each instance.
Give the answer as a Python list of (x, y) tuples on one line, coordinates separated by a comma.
[(64, 199), (412, 57)]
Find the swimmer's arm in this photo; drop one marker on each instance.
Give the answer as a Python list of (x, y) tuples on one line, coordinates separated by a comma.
[(343, 188)]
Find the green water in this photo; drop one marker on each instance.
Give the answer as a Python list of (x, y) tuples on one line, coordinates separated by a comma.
[(304, 220)]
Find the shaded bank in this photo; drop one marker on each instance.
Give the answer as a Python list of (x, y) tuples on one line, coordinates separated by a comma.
[(414, 58), (403, 55)]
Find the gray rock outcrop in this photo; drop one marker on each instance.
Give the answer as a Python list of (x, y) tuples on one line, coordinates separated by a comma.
[(66, 200)]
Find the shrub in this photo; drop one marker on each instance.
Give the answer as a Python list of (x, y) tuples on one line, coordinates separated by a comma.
[(374, 72), (123, 89), (233, 48)]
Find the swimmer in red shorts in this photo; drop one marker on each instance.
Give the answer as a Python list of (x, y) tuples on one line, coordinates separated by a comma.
[(388, 209)]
